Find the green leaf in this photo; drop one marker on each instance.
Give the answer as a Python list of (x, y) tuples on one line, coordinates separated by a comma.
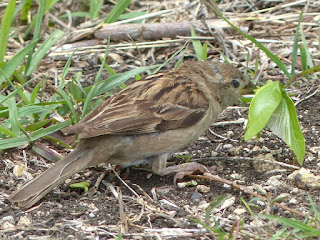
[(117, 10), (5, 28), (284, 123), (82, 185), (263, 105), (15, 62)]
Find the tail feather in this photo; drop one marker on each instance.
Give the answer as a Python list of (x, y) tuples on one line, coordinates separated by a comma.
[(33, 191)]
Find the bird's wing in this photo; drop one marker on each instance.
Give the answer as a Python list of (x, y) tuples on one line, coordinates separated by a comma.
[(163, 102)]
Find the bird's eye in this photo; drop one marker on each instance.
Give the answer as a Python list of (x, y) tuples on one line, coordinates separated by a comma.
[(235, 83)]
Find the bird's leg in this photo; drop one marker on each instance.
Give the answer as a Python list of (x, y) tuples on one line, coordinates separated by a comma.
[(159, 166)]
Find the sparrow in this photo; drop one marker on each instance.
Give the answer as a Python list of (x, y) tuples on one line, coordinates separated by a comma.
[(147, 122)]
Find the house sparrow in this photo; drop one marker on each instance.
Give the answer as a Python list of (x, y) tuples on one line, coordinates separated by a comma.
[(145, 123)]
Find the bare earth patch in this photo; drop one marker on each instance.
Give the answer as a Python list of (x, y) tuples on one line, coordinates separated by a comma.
[(147, 206)]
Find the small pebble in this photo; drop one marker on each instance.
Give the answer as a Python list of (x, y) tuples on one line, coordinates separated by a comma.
[(293, 201), (203, 189), (230, 134), (235, 176), (227, 146), (256, 148), (295, 190), (6, 225), (239, 211), (24, 221), (196, 196)]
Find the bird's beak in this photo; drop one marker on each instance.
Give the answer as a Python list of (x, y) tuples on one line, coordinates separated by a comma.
[(248, 89)]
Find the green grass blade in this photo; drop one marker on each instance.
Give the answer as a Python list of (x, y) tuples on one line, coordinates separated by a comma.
[(66, 67), (25, 10), (13, 116), (304, 60), (133, 15), (21, 140), (307, 53), (34, 93), (28, 110), (197, 46), (172, 56), (117, 10), (204, 54), (37, 125), (305, 228), (93, 90), (43, 49), (7, 132), (76, 89), (36, 35), (213, 204), (69, 103), (118, 79), (110, 71), (46, 131), (95, 6), (16, 127), (13, 142), (247, 206), (295, 45), (5, 28), (4, 99)]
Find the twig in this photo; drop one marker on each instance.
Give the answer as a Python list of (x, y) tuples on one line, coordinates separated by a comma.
[(248, 159), (154, 31), (123, 217), (209, 176), (307, 97)]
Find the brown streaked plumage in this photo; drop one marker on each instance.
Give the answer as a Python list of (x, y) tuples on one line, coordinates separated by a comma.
[(145, 123)]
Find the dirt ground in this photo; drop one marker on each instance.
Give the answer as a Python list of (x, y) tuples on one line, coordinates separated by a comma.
[(147, 206)]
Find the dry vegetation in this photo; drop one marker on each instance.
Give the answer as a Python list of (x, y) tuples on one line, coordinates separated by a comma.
[(145, 206)]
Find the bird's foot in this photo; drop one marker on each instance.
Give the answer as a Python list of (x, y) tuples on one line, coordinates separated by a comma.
[(184, 169)]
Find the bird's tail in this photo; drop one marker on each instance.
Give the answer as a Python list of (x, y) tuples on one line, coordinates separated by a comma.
[(32, 192)]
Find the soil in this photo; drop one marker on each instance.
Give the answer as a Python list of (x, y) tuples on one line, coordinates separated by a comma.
[(138, 204), (151, 204)]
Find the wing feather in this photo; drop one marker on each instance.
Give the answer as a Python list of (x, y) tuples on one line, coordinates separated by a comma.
[(151, 105)]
